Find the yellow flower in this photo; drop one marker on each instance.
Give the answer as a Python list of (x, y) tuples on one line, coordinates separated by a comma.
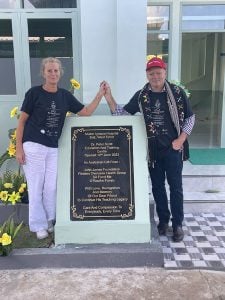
[(8, 185), (13, 112), (75, 84), (6, 239), (14, 197), (21, 190), (13, 136), (4, 195), (11, 149), (23, 185), (150, 56)]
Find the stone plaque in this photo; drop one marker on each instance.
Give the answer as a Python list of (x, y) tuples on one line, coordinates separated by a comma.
[(102, 173)]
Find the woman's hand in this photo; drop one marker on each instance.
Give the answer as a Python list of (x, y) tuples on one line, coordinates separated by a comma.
[(20, 155)]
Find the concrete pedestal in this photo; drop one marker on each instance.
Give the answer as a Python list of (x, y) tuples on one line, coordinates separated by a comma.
[(136, 230)]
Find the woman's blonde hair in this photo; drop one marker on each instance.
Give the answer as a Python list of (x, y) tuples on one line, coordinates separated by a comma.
[(51, 60)]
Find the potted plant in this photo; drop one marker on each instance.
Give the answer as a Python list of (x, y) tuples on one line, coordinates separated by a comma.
[(8, 233), (13, 188)]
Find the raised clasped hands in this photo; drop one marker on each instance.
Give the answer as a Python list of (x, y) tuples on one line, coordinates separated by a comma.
[(106, 88)]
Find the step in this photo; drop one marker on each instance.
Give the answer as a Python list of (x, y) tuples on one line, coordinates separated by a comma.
[(204, 178), (202, 197), (203, 170)]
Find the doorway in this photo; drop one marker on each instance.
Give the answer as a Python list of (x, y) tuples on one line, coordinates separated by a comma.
[(202, 72)]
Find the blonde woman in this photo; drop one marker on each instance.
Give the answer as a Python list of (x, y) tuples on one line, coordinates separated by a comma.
[(40, 125)]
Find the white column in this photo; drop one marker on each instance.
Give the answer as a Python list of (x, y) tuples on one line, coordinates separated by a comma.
[(98, 44), (113, 37), (175, 41), (131, 47)]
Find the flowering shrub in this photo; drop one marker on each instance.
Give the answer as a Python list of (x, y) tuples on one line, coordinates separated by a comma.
[(178, 83), (74, 85), (11, 150), (12, 187), (12, 184), (8, 232)]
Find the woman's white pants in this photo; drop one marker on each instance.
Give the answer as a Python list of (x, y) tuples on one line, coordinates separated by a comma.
[(40, 169)]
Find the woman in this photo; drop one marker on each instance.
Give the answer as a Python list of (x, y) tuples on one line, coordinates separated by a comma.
[(40, 125)]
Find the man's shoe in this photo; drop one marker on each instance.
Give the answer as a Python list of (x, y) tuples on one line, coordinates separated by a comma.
[(42, 234), (178, 234), (163, 228)]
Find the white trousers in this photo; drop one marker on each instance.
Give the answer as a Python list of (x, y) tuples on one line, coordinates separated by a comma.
[(40, 169)]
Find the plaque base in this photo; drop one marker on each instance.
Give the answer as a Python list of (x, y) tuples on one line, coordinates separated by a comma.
[(97, 231)]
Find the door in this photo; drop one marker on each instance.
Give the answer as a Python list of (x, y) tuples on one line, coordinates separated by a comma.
[(203, 67)]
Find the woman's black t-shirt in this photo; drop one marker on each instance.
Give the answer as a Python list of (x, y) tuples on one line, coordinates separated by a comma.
[(47, 112)]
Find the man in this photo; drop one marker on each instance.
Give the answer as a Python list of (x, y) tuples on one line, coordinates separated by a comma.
[(169, 120)]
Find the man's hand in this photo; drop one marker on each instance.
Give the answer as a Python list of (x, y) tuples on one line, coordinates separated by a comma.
[(177, 144)]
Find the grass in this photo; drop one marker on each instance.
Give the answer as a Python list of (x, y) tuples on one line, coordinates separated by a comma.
[(27, 239)]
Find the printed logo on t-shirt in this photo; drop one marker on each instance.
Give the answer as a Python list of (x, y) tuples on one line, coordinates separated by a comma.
[(158, 116), (53, 119)]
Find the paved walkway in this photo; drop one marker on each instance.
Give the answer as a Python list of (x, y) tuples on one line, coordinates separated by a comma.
[(186, 274), (203, 245), (112, 284)]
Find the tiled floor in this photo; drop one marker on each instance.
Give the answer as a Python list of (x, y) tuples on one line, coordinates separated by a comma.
[(203, 245)]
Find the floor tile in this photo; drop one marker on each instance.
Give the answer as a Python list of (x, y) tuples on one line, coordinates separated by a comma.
[(203, 245)]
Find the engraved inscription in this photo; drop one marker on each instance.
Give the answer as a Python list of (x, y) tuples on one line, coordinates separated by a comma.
[(102, 173)]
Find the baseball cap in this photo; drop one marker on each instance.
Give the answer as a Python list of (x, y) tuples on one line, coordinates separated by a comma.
[(155, 62)]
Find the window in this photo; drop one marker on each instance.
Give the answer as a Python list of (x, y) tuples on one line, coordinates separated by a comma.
[(8, 4), (195, 17), (25, 39), (7, 77), (158, 31), (158, 17), (50, 37), (49, 3)]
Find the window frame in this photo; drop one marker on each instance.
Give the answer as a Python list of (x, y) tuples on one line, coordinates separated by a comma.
[(168, 31), (21, 45)]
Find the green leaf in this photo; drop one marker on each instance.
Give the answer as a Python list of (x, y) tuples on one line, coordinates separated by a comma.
[(3, 227), (17, 230), (5, 156), (11, 227)]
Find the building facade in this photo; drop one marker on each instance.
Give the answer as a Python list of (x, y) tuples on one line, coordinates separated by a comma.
[(110, 39)]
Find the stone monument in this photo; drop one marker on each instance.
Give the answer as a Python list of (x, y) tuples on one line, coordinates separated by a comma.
[(102, 190)]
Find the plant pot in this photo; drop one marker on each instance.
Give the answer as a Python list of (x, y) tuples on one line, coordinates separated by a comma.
[(25, 198), (20, 212)]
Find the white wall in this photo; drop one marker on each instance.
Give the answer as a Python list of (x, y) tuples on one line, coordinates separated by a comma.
[(113, 35)]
